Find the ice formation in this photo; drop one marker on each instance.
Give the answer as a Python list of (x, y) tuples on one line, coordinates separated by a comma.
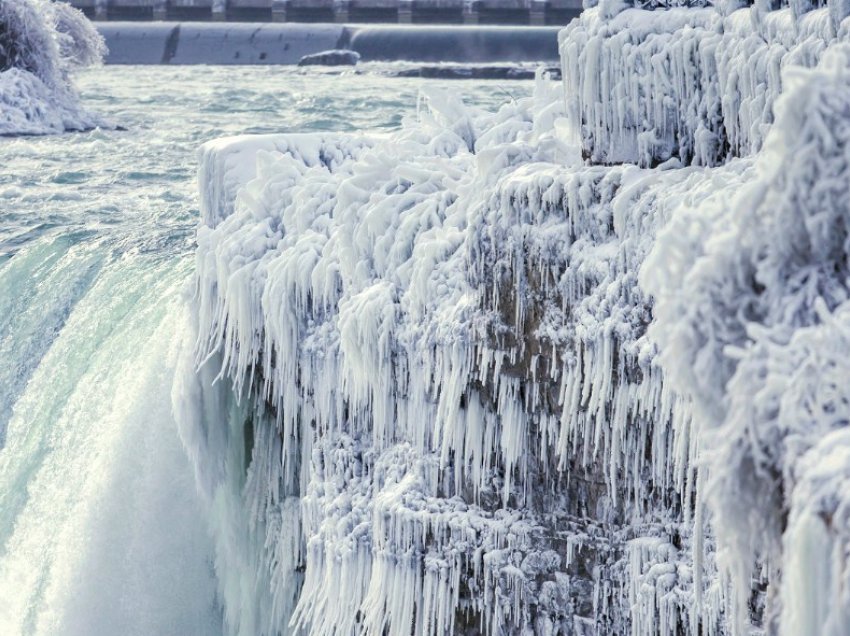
[(574, 367), (752, 322), (41, 44)]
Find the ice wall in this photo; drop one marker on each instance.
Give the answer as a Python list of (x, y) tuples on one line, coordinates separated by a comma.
[(645, 86), (442, 334), (462, 378), (41, 44)]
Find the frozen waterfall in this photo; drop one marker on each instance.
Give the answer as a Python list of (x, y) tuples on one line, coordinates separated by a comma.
[(573, 367)]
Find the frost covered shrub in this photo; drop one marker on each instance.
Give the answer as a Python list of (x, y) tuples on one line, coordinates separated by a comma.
[(80, 44), (26, 40), (41, 44), (752, 322)]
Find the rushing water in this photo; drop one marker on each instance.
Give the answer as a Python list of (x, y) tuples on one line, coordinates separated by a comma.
[(101, 530)]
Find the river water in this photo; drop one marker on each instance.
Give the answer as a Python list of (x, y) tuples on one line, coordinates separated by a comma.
[(101, 530)]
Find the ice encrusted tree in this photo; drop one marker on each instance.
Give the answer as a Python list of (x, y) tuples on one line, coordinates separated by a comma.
[(41, 44)]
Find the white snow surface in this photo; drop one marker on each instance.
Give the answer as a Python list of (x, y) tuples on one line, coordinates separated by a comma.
[(41, 44), (462, 378)]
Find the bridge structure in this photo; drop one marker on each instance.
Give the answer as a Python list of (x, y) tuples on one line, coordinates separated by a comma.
[(508, 12)]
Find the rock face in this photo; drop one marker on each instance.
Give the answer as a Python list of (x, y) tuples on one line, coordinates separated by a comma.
[(476, 382), (41, 44)]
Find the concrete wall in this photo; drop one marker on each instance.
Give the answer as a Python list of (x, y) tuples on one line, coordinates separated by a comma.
[(534, 12), (456, 44), (242, 43)]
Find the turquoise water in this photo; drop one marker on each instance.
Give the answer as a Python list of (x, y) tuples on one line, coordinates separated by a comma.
[(101, 530)]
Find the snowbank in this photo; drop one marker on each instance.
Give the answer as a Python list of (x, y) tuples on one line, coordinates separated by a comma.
[(462, 378), (41, 44)]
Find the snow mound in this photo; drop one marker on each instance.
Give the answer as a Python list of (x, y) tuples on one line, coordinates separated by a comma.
[(333, 57), (41, 44)]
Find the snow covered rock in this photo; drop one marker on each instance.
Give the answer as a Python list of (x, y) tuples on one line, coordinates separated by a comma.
[(41, 43), (336, 57), (440, 348)]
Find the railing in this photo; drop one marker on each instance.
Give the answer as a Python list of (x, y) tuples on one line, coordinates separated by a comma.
[(533, 12)]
